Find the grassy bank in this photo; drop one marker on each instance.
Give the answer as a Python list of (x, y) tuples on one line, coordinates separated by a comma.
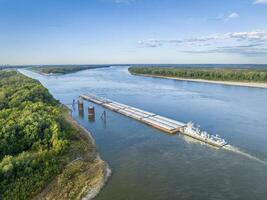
[(62, 69), (44, 154), (210, 74)]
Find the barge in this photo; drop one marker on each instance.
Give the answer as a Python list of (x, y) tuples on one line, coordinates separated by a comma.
[(162, 123)]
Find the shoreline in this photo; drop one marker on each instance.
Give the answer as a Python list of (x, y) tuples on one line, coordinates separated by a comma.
[(95, 191), (229, 83), (107, 170), (89, 172), (91, 194), (36, 70)]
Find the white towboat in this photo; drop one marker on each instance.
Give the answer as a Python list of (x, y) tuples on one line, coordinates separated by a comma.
[(190, 130)]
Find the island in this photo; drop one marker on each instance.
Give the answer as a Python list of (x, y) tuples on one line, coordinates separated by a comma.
[(249, 77), (63, 69), (44, 153)]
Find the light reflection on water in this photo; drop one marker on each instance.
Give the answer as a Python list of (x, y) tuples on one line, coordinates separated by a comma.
[(149, 164)]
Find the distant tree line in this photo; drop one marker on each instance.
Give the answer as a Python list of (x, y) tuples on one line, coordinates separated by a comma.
[(216, 74), (63, 69), (33, 135)]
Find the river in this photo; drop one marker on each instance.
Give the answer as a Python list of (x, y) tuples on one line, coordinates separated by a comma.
[(151, 165)]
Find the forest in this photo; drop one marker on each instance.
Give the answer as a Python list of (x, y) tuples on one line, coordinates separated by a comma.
[(214, 74), (32, 136), (62, 69)]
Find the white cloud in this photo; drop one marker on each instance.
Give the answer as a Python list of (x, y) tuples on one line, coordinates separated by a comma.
[(233, 15), (253, 43), (247, 50), (258, 36), (253, 35), (150, 43), (260, 2)]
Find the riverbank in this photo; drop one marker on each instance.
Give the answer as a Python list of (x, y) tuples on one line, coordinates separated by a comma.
[(44, 153), (61, 70), (242, 84), (84, 175), (246, 77)]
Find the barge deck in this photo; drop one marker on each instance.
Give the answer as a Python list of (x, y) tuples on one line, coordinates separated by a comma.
[(159, 122)]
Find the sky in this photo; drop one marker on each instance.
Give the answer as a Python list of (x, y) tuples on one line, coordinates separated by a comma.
[(133, 31)]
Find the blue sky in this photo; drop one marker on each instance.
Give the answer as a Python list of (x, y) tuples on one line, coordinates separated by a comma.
[(132, 31)]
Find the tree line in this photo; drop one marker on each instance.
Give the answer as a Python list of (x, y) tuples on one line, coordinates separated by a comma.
[(64, 69), (33, 136), (216, 74)]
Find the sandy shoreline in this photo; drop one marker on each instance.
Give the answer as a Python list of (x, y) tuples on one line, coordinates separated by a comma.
[(87, 171), (95, 191), (242, 84), (107, 171)]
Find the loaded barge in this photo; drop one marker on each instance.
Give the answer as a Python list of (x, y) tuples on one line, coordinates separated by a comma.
[(157, 121)]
